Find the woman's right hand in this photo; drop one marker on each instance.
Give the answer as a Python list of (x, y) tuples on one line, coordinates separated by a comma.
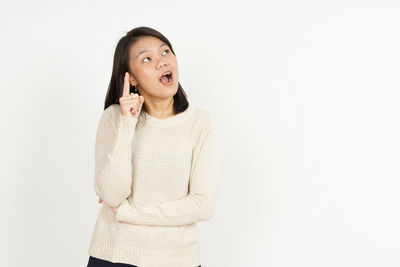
[(113, 209), (130, 104)]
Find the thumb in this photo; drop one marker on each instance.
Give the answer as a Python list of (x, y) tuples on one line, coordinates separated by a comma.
[(141, 101)]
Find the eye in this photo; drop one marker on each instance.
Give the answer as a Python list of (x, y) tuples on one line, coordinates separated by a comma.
[(163, 52)]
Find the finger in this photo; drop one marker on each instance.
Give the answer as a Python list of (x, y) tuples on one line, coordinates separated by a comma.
[(128, 105), (132, 106), (126, 85), (130, 101), (129, 97)]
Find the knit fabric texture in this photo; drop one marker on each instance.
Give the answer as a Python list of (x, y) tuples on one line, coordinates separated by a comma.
[(164, 173)]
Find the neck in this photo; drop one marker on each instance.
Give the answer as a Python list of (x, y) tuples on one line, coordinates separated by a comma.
[(160, 109)]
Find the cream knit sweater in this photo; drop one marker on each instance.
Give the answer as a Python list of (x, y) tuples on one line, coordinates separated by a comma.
[(165, 173)]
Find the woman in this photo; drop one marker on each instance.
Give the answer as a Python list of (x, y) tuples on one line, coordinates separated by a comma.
[(157, 161)]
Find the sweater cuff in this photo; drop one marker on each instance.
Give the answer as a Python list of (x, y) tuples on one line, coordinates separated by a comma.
[(124, 139), (122, 210)]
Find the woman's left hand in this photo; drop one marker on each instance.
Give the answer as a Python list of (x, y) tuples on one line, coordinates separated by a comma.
[(113, 209)]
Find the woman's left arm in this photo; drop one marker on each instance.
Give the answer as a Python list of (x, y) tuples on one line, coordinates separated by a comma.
[(199, 204)]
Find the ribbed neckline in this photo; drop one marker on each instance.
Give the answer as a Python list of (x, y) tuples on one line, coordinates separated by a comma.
[(166, 122)]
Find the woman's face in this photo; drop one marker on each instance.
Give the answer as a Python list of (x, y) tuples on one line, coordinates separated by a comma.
[(147, 67)]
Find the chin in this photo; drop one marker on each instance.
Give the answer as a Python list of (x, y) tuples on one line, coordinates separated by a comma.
[(173, 92), (167, 94), (169, 90)]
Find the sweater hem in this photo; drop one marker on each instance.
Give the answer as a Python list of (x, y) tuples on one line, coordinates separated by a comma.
[(146, 257)]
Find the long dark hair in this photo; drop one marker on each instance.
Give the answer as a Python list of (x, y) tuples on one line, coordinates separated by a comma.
[(121, 65)]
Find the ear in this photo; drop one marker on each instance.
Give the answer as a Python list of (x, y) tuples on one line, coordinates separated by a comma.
[(132, 80)]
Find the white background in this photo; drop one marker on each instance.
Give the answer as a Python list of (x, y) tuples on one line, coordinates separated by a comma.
[(306, 94)]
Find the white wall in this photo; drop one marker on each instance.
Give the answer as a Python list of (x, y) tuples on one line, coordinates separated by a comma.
[(306, 94)]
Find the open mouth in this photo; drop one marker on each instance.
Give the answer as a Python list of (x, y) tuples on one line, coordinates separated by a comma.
[(166, 78)]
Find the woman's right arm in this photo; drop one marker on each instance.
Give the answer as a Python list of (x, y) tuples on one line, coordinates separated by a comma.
[(113, 148), (113, 152)]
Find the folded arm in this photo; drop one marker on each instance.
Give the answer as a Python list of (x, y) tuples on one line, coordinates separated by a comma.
[(199, 204)]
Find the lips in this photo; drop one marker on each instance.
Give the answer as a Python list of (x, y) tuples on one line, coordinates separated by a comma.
[(165, 72), (166, 77)]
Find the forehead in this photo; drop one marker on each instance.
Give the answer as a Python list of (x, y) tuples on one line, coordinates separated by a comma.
[(145, 43)]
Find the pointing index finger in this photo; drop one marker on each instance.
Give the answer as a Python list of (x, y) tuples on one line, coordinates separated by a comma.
[(126, 84)]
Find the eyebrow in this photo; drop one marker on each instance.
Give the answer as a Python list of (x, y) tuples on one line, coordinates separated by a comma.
[(141, 52)]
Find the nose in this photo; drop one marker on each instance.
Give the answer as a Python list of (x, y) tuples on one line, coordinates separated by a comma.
[(162, 62)]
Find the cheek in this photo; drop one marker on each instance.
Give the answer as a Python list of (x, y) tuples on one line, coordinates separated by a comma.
[(145, 76), (174, 61)]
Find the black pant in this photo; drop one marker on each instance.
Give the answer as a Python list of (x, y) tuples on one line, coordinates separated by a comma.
[(95, 262)]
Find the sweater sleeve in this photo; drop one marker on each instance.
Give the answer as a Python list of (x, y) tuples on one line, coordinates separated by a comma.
[(199, 204), (113, 152)]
